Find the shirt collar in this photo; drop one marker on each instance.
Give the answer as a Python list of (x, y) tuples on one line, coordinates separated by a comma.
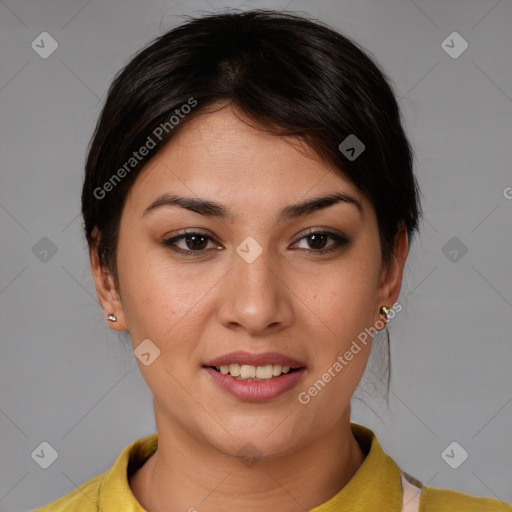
[(374, 486)]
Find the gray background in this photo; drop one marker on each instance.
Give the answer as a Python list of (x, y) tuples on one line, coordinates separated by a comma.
[(67, 379)]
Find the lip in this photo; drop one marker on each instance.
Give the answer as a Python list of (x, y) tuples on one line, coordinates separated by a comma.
[(241, 357), (256, 391)]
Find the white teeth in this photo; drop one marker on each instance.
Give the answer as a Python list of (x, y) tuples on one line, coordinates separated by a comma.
[(264, 372), (246, 371), (234, 370)]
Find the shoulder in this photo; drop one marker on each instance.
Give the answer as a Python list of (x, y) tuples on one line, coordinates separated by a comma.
[(440, 500), (82, 499), (109, 490)]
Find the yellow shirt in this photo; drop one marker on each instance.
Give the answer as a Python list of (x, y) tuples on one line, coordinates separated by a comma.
[(375, 487)]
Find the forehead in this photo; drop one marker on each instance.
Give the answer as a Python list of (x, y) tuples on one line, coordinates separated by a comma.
[(224, 157)]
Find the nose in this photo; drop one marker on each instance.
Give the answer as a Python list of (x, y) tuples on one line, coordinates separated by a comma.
[(256, 297)]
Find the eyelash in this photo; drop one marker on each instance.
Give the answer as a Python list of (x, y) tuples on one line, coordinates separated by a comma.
[(340, 241)]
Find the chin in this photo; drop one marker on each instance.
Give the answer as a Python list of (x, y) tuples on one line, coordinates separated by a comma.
[(257, 438)]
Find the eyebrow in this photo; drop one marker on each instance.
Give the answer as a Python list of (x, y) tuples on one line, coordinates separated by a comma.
[(212, 209)]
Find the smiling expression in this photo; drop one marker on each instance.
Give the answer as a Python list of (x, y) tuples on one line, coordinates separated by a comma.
[(220, 251)]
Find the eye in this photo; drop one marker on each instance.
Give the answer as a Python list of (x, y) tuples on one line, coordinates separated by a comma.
[(318, 240), (194, 241)]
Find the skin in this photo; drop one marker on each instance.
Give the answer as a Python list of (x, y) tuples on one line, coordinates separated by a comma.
[(291, 300)]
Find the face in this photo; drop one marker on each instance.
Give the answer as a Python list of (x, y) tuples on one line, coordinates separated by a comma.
[(200, 285)]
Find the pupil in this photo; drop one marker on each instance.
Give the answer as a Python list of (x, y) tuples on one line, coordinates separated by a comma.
[(316, 237), (195, 239)]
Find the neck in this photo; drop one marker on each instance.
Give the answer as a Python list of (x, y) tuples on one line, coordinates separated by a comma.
[(184, 474)]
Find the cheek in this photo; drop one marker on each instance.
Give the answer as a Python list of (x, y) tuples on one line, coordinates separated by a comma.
[(345, 299), (165, 301), (162, 305), (343, 305), (153, 295), (342, 344)]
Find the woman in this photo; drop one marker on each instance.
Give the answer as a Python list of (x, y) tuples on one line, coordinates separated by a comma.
[(249, 204)]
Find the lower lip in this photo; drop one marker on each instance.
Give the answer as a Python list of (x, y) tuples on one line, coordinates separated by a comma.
[(259, 390)]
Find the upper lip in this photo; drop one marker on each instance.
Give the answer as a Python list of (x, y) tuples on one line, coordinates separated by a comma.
[(241, 357)]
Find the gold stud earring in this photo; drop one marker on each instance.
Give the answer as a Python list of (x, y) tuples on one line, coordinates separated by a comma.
[(384, 311)]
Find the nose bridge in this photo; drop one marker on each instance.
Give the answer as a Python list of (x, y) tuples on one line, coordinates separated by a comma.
[(257, 297), (255, 271)]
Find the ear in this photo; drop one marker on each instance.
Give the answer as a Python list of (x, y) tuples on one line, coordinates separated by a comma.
[(107, 294), (391, 275)]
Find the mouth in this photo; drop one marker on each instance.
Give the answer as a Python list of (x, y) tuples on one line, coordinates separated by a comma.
[(255, 377), (252, 373)]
